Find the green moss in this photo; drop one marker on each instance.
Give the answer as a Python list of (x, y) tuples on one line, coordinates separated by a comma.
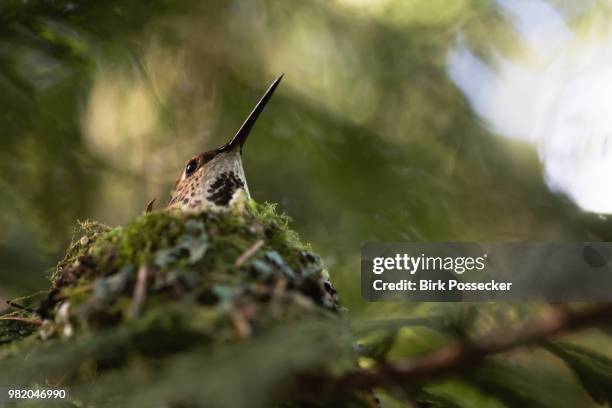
[(242, 261), (141, 239)]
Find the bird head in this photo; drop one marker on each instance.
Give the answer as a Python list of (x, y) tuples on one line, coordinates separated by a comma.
[(213, 178)]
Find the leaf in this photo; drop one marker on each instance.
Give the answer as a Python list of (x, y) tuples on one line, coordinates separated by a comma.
[(453, 393), (527, 381), (426, 399), (594, 370), (378, 348)]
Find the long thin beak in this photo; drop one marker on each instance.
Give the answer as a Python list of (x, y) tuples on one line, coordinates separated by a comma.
[(245, 129)]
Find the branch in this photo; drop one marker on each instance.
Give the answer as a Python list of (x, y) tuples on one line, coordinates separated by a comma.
[(18, 306), (458, 355), (29, 320)]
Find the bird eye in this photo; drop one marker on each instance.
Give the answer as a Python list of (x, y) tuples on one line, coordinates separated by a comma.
[(191, 167)]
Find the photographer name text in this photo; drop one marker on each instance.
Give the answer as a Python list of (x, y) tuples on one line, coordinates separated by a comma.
[(422, 263)]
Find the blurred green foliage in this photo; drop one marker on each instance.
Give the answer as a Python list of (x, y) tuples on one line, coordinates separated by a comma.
[(101, 103)]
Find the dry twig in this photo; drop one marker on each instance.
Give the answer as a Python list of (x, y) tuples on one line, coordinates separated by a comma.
[(248, 253), (29, 320), (140, 290), (149, 207), (18, 306)]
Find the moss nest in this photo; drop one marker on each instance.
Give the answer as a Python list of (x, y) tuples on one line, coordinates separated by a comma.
[(172, 287), (243, 269)]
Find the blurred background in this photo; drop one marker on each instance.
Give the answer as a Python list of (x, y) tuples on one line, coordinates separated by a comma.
[(427, 120)]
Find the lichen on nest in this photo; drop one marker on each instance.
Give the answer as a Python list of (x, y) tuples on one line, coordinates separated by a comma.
[(243, 268)]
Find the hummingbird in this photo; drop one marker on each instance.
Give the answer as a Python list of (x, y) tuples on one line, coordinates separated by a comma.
[(214, 178)]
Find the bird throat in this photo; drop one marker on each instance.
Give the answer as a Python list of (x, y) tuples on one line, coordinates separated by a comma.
[(222, 190)]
